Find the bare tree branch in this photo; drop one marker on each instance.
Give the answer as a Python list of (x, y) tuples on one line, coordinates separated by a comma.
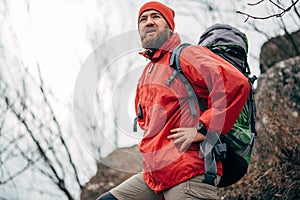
[(277, 5), (16, 174), (280, 14), (296, 11), (58, 128), (256, 3), (60, 182)]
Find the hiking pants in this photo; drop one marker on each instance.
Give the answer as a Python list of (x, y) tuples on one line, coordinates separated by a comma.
[(135, 188)]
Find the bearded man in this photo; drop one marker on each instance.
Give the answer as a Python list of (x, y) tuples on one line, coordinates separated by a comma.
[(172, 168)]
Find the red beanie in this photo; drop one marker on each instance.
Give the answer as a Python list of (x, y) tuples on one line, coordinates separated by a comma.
[(167, 12)]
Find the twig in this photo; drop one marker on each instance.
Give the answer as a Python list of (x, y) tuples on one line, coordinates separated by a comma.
[(254, 4), (265, 174), (270, 16), (296, 11), (277, 5)]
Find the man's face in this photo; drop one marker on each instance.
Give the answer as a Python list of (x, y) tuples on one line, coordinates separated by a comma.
[(154, 29)]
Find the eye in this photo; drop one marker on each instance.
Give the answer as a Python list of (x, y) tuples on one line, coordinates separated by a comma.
[(156, 16), (142, 19)]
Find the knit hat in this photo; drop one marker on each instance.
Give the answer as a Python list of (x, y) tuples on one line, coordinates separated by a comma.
[(167, 12)]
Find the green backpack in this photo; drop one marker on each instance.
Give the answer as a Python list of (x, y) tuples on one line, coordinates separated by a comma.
[(235, 148)]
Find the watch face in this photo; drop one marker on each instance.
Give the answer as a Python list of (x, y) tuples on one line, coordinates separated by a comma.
[(201, 128)]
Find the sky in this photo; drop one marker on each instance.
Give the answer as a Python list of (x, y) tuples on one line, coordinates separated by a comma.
[(55, 33), (52, 34)]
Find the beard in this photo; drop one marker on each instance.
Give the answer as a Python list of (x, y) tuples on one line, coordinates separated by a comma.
[(156, 40)]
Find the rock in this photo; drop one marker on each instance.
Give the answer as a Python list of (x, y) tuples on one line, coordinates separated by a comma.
[(112, 170), (278, 49)]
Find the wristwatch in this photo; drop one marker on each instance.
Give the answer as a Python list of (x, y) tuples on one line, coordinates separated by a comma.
[(201, 128)]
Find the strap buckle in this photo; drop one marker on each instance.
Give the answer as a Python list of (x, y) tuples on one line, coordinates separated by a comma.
[(209, 178)]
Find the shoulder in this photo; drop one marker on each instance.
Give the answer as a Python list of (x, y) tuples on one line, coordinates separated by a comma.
[(195, 53), (195, 48)]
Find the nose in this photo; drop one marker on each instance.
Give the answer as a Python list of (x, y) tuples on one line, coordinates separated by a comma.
[(149, 21)]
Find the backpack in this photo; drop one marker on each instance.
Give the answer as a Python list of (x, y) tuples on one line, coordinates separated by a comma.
[(235, 148)]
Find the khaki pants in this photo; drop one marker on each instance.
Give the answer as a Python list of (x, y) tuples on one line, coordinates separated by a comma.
[(136, 189)]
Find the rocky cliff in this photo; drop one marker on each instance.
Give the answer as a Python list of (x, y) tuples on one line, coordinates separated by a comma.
[(274, 170)]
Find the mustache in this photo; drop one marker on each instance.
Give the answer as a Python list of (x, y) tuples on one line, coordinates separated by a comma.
[(150, 29)]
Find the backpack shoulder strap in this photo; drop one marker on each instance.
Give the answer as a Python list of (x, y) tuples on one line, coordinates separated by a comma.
[(175, 57), (175, 64)]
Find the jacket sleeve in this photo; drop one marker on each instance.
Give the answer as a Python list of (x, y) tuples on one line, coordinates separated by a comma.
[(221, 87)]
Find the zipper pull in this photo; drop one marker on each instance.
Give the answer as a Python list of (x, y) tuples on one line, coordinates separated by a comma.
[(151, 68)]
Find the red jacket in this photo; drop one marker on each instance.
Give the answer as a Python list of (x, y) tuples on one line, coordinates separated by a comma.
[(222, 88)]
